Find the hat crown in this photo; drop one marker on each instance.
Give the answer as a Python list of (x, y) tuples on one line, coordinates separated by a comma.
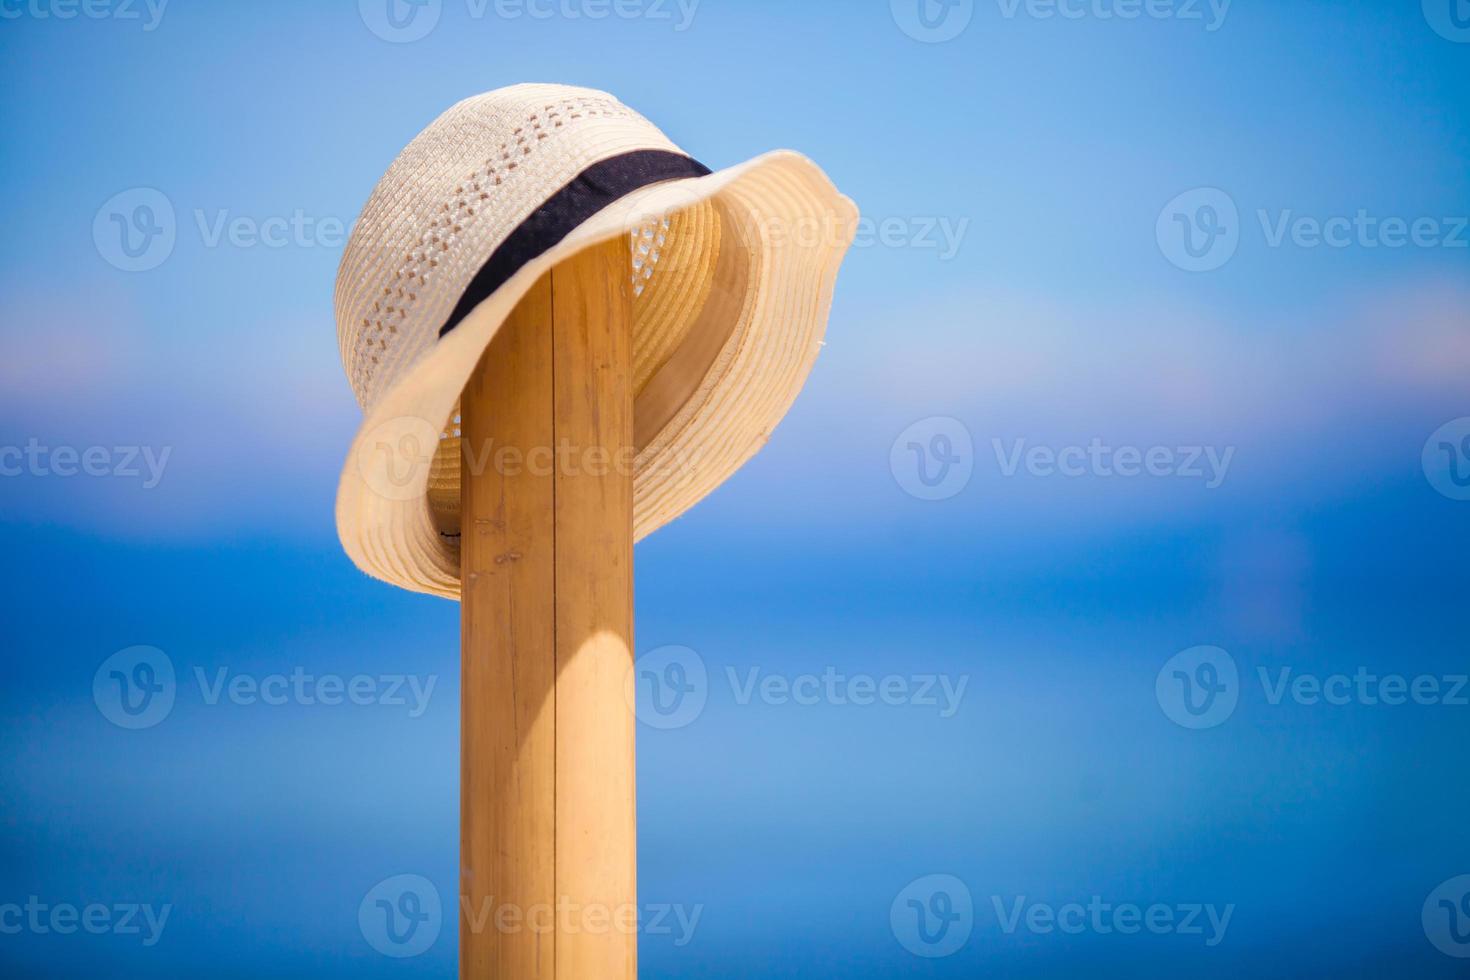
[(449, 199)]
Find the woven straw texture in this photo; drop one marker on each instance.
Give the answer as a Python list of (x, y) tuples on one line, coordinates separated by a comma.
[(741, 263)]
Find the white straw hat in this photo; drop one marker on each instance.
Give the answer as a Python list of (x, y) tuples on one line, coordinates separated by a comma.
[(732, 277)]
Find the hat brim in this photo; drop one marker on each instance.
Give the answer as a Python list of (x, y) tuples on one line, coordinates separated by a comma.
[(798, 227)]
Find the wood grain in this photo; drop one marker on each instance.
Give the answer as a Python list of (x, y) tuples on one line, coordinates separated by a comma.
[(595, 833), (547, 807)]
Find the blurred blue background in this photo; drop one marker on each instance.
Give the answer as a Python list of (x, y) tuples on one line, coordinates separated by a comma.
[(1056, 144)]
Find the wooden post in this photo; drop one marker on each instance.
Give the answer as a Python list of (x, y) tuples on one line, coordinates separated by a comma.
[(547, 811)]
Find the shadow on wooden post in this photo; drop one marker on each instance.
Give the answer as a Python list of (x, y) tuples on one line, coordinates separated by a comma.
[(547, 811)]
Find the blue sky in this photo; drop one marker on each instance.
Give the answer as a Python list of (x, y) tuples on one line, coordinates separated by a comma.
[(1051, 150)]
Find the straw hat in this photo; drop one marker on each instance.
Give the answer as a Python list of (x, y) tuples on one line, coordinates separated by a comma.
[(732, 277)]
